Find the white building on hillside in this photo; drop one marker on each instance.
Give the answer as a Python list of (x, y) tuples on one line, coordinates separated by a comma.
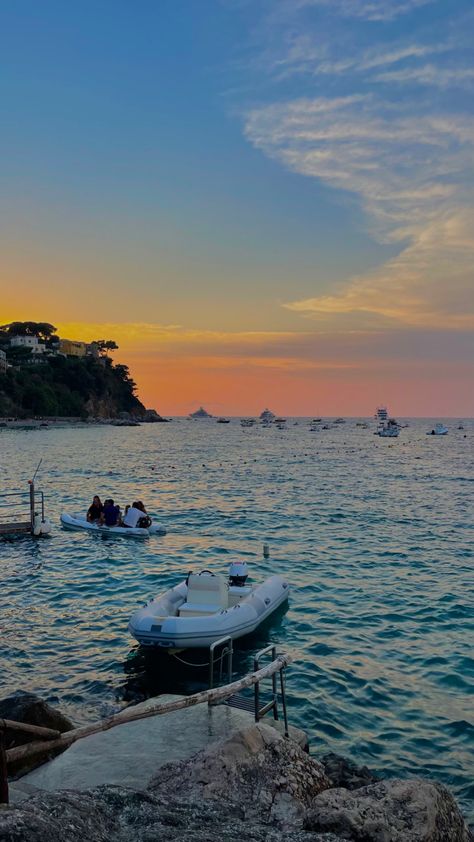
[(28, 342)]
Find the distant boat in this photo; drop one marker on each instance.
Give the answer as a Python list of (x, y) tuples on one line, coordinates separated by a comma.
[(247, 422), (200, 413), (439, 430), (388, 429), (381, 414), (340, 421), (266, 416), (223, 421), (280, 421)]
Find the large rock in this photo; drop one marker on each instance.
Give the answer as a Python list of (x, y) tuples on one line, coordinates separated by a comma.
[(256, 769), (26, 707), (390, 811), (343, 772), (123, 815)]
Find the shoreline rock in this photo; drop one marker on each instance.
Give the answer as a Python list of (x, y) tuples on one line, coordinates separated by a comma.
[(255, 785), (30, 709)]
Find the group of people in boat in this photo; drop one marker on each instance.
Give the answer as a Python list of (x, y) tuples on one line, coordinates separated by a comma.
[(108, 514)]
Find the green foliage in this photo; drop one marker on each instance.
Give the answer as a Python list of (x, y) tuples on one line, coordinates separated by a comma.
[(66, 387)]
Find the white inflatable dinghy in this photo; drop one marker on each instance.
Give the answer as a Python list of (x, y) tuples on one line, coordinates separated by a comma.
[(78, 521), (205, 608)]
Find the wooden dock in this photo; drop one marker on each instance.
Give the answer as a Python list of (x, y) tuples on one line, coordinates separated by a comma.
[(18, 510)]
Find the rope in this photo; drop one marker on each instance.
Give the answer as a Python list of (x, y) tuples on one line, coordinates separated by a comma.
[(205, 664)]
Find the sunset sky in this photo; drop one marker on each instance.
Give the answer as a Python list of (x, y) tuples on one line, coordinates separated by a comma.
[(264, 202)]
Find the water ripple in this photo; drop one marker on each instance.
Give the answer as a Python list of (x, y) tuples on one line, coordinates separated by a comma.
[(376, 537)]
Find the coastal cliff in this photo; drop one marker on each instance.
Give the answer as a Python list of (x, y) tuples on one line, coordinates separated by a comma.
[(45, 376), (68, 387)]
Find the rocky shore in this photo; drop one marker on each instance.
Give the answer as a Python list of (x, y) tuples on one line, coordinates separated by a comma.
[(254, 785)]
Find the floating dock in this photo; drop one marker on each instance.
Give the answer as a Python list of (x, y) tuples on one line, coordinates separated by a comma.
[(18, 510)]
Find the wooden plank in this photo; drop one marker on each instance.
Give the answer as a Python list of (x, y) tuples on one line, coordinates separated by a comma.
[(131, 715), (27, 728), (12, 528)]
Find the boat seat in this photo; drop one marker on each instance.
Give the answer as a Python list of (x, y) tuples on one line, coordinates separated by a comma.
[(207, 594)]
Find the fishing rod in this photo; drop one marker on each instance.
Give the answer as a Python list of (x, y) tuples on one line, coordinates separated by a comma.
[(37, 469)]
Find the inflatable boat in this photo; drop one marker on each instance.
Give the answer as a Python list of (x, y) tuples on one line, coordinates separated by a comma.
[(78, 521), (206, 607)]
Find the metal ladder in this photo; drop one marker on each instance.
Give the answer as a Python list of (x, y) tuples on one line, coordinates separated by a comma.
[(240, 701)]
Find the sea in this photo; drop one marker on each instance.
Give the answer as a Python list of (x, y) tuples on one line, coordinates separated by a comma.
[(375, 536)]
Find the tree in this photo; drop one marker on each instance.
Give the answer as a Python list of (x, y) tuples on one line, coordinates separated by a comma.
[(18, 354), (43, 330), (104, 345)]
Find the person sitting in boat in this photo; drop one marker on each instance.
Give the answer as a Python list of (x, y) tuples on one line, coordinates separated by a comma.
[(111, 514), (94, 512), (136, 516)]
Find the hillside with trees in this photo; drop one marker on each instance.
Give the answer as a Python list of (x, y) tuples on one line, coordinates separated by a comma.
[(54, 384)]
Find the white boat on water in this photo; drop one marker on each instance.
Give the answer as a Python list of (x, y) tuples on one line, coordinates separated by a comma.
[(439, 430), (200, 414), (79, 521), (206, 607), (388, 429)]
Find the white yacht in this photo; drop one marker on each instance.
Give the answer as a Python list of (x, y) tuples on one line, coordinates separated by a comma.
[(381, 414), (267, 416), (200, 414), (388, 429)]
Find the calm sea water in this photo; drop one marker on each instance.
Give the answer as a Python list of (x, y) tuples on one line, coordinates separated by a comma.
[(375, 536)]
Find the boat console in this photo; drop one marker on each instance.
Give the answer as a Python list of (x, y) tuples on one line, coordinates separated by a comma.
[(207, 593)]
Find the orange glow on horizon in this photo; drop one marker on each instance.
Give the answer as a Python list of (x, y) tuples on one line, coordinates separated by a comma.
[(178, 370)]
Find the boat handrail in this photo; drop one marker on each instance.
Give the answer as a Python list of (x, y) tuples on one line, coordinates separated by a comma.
[(227, 652), (15, 500), (273, 703)]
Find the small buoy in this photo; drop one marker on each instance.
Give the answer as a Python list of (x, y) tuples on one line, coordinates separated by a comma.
[(266, 551)]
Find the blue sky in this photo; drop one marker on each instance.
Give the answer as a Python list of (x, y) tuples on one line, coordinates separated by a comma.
[(293, 166)]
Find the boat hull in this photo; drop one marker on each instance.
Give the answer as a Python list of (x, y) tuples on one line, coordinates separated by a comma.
[(154, 626), (76, 521)]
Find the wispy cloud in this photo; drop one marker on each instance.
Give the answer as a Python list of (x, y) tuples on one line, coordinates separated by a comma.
[(413, 176), (368, 128), (430, 74), (370, 10)]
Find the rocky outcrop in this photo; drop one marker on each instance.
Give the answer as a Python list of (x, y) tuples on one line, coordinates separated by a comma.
[(390, 811), (256, 769), (26, 707), (255, 786), (122, 815), (345, 773)]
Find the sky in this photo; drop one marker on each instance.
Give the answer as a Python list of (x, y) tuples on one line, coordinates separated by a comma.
[(264, 202)]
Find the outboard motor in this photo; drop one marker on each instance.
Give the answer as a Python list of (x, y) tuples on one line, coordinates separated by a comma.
[(238, 573)]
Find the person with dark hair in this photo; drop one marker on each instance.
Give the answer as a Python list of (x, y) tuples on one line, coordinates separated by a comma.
[(94, 512), (136, 516), (111, 513)]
